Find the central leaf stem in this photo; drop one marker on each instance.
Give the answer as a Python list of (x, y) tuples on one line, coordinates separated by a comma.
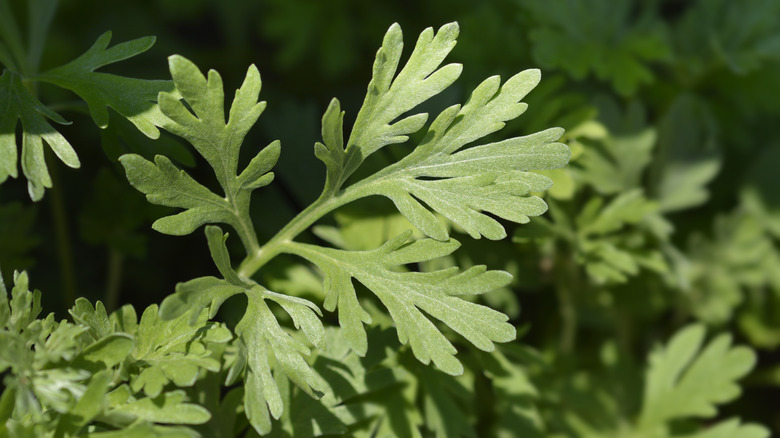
[(326, 203)]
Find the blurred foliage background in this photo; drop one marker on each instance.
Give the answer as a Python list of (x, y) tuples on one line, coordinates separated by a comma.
[(668, 213)]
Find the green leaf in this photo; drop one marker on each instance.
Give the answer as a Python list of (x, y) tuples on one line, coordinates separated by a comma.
[(5, 309), (739, 36), (206, 292), (25, 305), (563, 187), (257, 173), (306, 417), (465, 185), (7, 400), (389, 96), (374, 395), (224, 405), (605, 262), (146, 430), (56, 388), (617, 239), (616, 43), (165, 184), (629, 207), (360, 393), (200, 119), (38, 355), (488, 178), (689, 156), (515, 396), (686, 380), (96, 319), (122, 137), (17, 103), (125, 319), (167, 408), (205, 127), (199, 293), (738, 257), (332, 151), (132, 98), (444, 401), (266, 346), (109, 350), (407, 294), (617, 163), (88, 406), (173, 351), (263, 344), (732, 428)]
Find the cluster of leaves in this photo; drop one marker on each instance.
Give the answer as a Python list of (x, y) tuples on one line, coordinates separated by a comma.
[(100, 373), (461, 185), (653, 158), (132, 98), (668, 206), (113, 375), (650, 133)]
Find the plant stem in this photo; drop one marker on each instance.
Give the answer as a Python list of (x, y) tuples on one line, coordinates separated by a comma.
[(239, 206), (246, 232), (566, 283), (319, 208)]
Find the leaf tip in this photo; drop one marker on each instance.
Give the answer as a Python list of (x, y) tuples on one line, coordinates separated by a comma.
[(393, 37), (103, 40), (450, 30)]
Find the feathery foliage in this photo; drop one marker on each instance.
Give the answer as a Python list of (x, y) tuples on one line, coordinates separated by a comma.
[(370, 305)]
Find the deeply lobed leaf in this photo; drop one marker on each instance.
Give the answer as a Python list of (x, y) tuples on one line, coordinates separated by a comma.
[(17, 103), (615, 42), (132, 98), (407, 294), (684, 380), (264, 346), (388, 97), (164, 184), (464, 185), (218, 141)]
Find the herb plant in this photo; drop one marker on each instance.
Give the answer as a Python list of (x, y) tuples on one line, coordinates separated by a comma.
[(416, 338)]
